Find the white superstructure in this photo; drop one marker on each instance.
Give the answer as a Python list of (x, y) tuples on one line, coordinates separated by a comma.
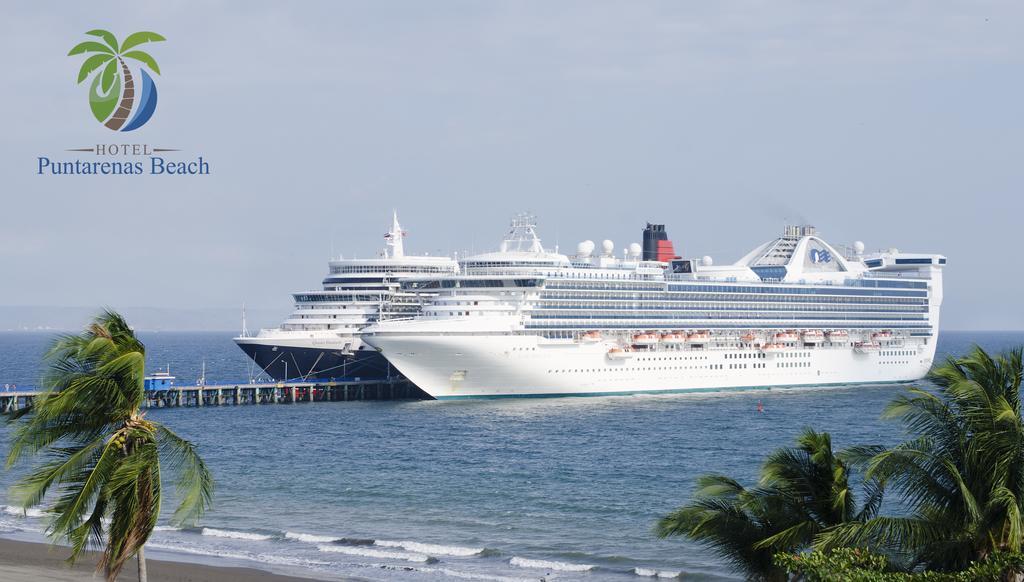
[(523, 321), (322, 337)]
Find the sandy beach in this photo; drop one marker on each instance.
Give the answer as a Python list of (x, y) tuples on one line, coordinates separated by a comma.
[(33, 562)]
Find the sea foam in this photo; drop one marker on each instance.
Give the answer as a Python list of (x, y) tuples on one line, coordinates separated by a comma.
[(473, 575), (237, 535), (262, 558), (309, 538), (549, 565), (653, 573), (432, 549), (380, 554), (30, 512)]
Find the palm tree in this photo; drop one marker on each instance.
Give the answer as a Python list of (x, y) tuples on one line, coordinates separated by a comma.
[(803, 491), (103, 459), (961, 475), (106, 87)]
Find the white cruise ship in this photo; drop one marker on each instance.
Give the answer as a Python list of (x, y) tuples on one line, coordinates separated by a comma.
[(322, 337), (523, 321)]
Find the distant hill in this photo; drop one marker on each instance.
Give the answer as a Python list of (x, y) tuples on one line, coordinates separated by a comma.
[(38, 317)]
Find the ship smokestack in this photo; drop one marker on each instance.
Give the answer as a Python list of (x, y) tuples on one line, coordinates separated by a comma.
[(657, 247)]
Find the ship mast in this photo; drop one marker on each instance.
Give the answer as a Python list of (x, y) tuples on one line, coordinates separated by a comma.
[(394, 248)]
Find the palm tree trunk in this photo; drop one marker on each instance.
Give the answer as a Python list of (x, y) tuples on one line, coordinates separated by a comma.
[(142, 565), (124, 109)]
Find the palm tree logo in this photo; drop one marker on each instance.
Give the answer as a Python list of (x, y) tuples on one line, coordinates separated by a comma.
[(112, 96)]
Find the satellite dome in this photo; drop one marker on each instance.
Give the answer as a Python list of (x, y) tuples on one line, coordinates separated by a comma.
[(706, 261), (635, 250), (858, 247), (585, 248), (608, 247)]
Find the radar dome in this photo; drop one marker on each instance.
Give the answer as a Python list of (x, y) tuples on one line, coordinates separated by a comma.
[(585, 248), (706, 261), (635, 249), (608, 247), (858, 247)]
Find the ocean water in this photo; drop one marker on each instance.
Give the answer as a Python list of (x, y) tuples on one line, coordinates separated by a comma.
[(560, 489)]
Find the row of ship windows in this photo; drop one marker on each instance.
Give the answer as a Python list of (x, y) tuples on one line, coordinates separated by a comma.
[(392, 270), (792, 364), (740, 307), (730, 298), (303, 327), (634, 280), (745, 356), (569, 329), (845, 290), (738, 315), (326, 316), (306, 298), (897, 353), (663, 358), (687, 288), (361, 308), (756, 365), (635, 369), (701, 307)]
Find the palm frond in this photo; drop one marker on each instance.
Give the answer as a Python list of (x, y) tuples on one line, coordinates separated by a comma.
[(90, 46), (194, 482), (91, 64), (137, 38), (145, 58), (108, 37)]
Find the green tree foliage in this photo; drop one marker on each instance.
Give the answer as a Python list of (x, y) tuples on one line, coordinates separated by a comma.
[(803, 491), (101, 461)]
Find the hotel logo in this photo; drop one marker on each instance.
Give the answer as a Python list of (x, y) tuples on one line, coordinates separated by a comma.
[(113, 97), (122, 97)]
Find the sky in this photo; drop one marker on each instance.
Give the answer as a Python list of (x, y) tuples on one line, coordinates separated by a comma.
[(896, 123)]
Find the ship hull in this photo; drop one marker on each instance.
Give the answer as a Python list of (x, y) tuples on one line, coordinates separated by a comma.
[(290, 362), (501, 366)]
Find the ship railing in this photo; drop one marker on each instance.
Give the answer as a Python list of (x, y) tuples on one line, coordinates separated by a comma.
[(894, 275)]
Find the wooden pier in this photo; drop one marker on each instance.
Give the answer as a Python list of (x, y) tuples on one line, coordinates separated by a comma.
[(252, 394)]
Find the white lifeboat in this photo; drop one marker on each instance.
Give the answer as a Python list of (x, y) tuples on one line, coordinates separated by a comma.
[(785, 336), (866, 347), (591, 337), (748, 338), (674, 338), (882, 335), (770, 348), (645, 339), (838, 335), (813, 336), (619, 353), (698, 337)]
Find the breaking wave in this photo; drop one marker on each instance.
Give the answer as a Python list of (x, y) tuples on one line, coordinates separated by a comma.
[(310, 538), (379, 554), (653, 573), (237, 535), (431, 549), (549, 565)]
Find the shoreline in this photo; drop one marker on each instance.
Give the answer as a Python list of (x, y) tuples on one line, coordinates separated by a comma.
[(22, 561)]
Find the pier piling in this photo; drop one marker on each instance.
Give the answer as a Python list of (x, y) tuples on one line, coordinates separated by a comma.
[(276, 393)]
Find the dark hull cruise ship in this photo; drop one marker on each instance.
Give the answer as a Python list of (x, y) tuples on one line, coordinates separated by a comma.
[(322, 338)]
